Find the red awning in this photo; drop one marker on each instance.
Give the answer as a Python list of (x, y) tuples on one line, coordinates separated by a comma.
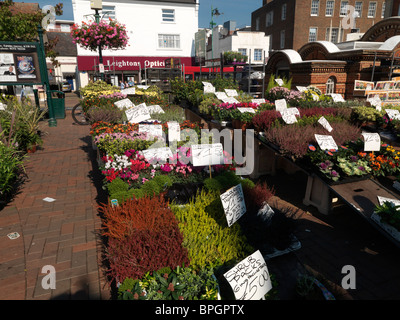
[(88, 63)]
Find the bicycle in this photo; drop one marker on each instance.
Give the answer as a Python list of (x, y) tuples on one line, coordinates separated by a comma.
[(79, 115)]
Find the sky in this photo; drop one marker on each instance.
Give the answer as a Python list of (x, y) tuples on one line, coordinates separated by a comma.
[(236, 10)]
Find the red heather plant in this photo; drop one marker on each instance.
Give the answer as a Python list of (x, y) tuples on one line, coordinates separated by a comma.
[(146, 213), (309, 112), (264, 120), (293, 140), (144, 251), (256, 196)]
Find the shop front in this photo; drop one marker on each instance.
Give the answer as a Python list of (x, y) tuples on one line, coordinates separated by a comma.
[(125, 69)]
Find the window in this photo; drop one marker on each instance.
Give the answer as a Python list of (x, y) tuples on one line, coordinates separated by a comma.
[(383, 9), (168, 15), (258, 23), (169, 41), (282, 39), (283, 13), (257, 54), (329, 8), (65, 28), (334, 35), (371, 10), (330, 86), (314, 7), (312, 34), (358, 8), (269, 19), (243, 51), (109, 12), (343, 8)]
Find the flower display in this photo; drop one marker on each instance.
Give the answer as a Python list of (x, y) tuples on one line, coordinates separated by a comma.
[(91, 36)]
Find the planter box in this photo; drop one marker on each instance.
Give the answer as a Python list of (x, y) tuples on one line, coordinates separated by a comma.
[(392, 231)]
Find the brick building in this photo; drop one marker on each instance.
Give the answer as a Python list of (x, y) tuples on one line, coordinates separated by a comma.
[(293, 23), (333, 68)]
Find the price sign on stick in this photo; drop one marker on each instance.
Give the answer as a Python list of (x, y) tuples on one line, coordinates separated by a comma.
[(152, 130), (326, 142), (323, 122), (243, 110), (280, 105), (138, 113), (258, 101), (301, 88), (207, 154), (288, 116), (337, 97), (393, 114), (124, 103), (230, 100), (157, 155), (382, 200), (220, 95), (129, 91), (155, 108), (279, 82), (233, 203), (372, 141), (231, 92), (250, 279), (174, 131)]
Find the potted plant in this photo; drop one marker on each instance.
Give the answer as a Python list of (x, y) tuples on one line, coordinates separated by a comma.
[(387, 215)]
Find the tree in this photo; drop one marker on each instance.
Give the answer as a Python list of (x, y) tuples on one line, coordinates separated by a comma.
[(18, 25)]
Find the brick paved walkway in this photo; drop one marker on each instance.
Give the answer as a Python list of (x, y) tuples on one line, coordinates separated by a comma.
[(63, 233)]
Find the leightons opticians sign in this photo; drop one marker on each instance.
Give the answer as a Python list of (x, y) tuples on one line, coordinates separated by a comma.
[(87, 63)]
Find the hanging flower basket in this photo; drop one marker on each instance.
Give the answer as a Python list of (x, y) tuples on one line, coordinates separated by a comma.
[(108, 35)]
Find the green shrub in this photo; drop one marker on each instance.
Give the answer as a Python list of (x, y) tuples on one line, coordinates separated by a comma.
[(206, 234)]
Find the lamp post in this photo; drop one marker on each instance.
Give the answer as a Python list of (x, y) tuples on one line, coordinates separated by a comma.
[(97, 5), (214, 12), (45, 78)]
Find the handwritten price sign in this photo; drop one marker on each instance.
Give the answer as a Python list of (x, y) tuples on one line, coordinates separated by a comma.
[(207, 154), (250, 278), (138, 113), (233, 203)]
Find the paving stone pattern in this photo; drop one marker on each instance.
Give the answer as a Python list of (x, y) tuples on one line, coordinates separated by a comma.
[(63, 233)]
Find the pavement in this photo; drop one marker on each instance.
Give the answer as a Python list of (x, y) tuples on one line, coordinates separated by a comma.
[(65, 233)]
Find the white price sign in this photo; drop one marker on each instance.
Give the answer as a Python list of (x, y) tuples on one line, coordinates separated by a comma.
[(243, 110), (160, 155), (393, 114), (221, 95), (258, 101), (289, 115), (326, 142), (323, 122), (124, 103), (337, 97), (207, 154), (138, 113), (372, 141), (280, 105), (174, 131), (155, 108), (229, 100), (279, 82), (231, 92), (233, 203), (152, 130), (250, 279), (131, 90)]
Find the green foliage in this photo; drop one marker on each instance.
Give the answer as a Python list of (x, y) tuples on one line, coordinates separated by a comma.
[(172, 113), (11, 165), (182, 283), (23, 26), (365, 114), (389, 214), (207, 237), (234, 56), (95, 88), (206, 105)]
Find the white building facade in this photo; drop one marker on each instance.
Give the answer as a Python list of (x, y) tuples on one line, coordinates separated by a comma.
[(253, 44), (157, 31)]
